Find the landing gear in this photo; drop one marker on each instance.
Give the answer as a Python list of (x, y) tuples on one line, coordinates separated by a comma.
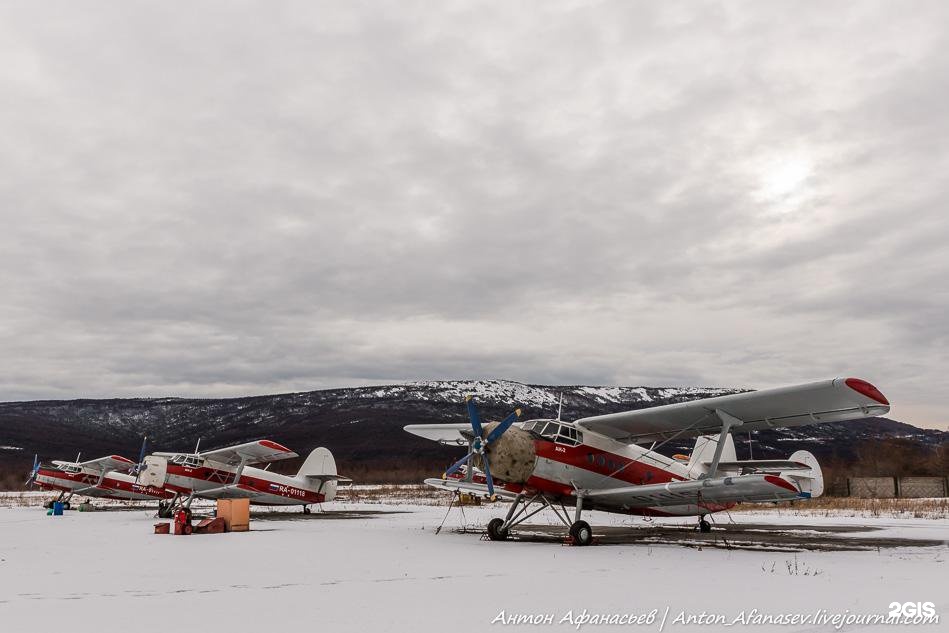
[(581, 533), (496, 530), (704, 526), (500, 529), (165, 510), (49, 504), (306, 509)]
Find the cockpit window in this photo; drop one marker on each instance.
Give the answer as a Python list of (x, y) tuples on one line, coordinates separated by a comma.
[(186, 460), (555, 432)]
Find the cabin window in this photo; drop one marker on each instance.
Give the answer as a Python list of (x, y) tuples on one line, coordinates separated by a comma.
[(600, 460), (590, 457)]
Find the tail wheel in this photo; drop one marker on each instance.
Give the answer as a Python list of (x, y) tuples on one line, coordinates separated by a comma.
[(581, 533), (495, 531)]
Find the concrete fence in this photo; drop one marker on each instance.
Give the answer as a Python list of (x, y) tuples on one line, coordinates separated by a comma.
[(889, 487)]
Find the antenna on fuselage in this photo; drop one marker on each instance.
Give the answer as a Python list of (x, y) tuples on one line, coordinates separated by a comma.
[(560, 407), (77, 456), (197, 445)]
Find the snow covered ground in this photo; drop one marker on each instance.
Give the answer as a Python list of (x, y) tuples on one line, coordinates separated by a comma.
[(380, 567)]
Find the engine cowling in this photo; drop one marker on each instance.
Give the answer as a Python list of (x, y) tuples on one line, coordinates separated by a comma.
[(512, 456)]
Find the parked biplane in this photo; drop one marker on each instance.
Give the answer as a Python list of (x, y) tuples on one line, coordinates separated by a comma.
[(610, 463), (105, 477), (226, 473)]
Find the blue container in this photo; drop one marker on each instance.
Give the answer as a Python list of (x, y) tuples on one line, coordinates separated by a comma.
[(57, 508)]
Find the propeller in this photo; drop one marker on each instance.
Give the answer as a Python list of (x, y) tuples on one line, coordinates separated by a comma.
[(137, 468), (480, 442), (33, 471)]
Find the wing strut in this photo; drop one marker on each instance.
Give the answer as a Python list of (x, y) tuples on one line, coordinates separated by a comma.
[(728, 421)]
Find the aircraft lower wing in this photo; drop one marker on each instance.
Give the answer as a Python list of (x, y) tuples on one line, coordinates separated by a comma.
[(234, 491), (473, 487), (742, 488), (249, 453), (834, 400)]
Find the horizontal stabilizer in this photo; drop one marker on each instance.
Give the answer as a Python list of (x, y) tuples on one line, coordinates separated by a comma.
[(776, 465), (329, 477)]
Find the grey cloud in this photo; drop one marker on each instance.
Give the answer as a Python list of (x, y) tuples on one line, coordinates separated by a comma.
[(256, 198)]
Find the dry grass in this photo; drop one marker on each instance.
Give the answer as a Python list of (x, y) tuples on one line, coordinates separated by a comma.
[(853, 506), (418, 494)]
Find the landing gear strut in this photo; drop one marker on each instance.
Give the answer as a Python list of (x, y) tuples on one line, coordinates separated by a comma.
[(49, 504), (500, 529)]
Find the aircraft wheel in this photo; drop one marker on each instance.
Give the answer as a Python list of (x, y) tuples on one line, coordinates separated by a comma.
[(581, 533), (306, 509), (495, 533), (66, 505), (704, 526), (164, 511)]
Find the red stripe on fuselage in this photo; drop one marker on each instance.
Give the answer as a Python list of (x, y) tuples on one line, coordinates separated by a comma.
[(81, 480), (595, 460), (218, 477)]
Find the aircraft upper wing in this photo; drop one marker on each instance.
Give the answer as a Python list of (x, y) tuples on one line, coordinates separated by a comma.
[(441, 433), (826, 401), (108, 464), (251, 452)]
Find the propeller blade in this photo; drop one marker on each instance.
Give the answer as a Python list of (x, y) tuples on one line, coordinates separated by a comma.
[(137, 468), (454, 467), (473, 416), (503, 426), (487, 474), (141, 453), (36, 468)]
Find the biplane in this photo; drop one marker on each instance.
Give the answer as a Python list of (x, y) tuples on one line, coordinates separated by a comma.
[(106, 477), (227, 473), (611, 462)]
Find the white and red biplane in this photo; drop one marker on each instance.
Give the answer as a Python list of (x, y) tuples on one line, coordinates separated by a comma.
[(226, 473), (106, 477), (603, 462)]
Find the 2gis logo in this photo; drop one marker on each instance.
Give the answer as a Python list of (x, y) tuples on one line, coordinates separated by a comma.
[(912, 610)]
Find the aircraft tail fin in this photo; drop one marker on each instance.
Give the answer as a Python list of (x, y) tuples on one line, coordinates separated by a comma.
[(811, 481), (319, 471)]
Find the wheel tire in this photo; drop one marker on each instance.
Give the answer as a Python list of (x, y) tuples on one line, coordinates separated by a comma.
[(495, 533), (164, 511), (306, 509), (704, 526), (581, 533), (66, 506)]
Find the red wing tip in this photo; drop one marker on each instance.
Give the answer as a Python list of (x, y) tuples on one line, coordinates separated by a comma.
[(866, 389), (275, 446), (119, 458)]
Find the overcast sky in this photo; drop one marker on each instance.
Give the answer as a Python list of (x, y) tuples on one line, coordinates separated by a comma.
[(221, 199)]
